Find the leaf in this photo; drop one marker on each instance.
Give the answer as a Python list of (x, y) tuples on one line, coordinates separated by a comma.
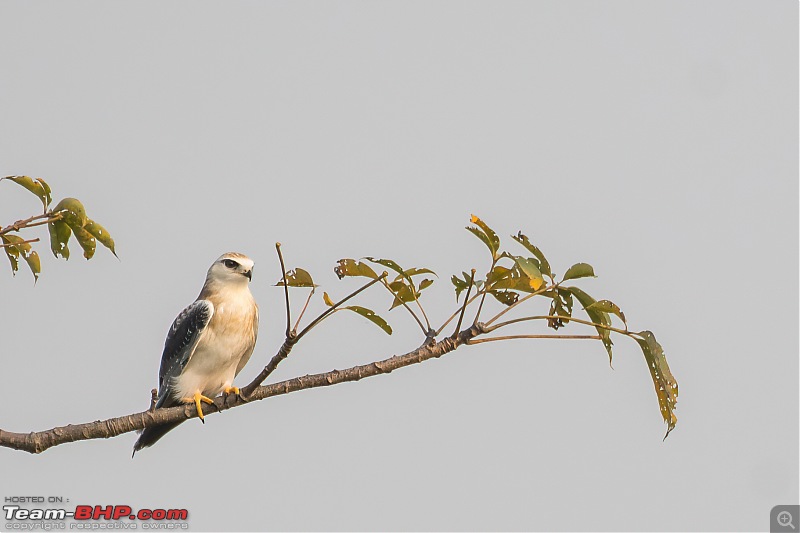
[(560, 306), (424, 284), (505, 297), (12, 253), (483, 237), (461, 284), (370, 315), (579, 270), (59, 235), (327, 299), (403, 294), (21, 248), (73, 212), (485, 234), (529, 268), (498, 273), (663, 381), (38, 187), (544, 266), (351, 267), (297, 278), (517, 279), (411, 272), (596, 316), (86, 240), (101, 234), (609, 307), (388, 263)]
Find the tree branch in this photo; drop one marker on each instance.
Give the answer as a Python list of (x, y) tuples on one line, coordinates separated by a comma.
[(37, 442)]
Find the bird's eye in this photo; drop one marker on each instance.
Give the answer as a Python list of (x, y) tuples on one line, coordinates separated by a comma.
[(230, 264)]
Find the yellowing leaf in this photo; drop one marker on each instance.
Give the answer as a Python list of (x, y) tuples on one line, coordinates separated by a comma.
[(609, 307), (297, 278), (327, 299), (370, 315), (595, 315), (16, 247), (485, 234), (86, 240), (59, 235), (73, 212), (665, 384), (38, 187), (529, 268), (544, 266), (101, 234), (351, 267)]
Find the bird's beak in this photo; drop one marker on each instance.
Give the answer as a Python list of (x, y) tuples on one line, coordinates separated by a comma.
[(249, 275)]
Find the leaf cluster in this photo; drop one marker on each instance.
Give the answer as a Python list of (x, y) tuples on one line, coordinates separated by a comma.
[(66, 220)]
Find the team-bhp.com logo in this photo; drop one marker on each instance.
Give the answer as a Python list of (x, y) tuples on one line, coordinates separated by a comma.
[(87, 517)]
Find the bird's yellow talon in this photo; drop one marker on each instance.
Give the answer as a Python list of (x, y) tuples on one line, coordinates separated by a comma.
[(234, 390), (200, 398)]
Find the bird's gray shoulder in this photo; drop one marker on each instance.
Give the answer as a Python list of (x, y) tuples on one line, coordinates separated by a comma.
[(183, 336)]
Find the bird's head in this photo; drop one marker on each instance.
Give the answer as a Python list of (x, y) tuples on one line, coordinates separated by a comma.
[(231, 267)]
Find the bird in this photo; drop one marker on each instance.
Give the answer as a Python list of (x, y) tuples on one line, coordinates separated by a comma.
[(208, 344)]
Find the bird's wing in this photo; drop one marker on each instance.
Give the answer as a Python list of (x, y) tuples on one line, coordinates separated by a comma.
[(181, 343)]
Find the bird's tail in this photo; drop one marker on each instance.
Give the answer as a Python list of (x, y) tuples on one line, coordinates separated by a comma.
[(151, 435)]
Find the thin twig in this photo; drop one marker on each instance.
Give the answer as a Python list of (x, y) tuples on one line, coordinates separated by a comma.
[(26, 223), (3, 245), (511, 337), (464, 307), (332, 308), (286, 291), (292, 338), (456, 313), (425, 316), (310, 294), (512, 306)]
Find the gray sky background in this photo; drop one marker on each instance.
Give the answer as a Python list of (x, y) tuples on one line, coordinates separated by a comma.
[(656, 141)]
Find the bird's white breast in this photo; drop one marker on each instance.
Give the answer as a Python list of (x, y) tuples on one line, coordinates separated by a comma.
[(227, 341)]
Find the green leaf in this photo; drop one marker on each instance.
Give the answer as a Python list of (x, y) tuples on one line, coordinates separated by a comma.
[(59, 235), (38, 187), (411, 272), (101, 234), (12, 253), (86, 240), (609, 307), (388, 263), (73, 212), (492, 241), (663, 381), (327, 299), (21, 248), (461, 284), (544, 266), (596, 316), (424, 284), (351, 267), (297, 278), (529, 268), (370, 315), (560, 306), (498, 273), (579, 270), (403, 293), (505, 297)]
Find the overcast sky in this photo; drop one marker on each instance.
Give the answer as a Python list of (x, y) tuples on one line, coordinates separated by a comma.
[(655, 140)]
